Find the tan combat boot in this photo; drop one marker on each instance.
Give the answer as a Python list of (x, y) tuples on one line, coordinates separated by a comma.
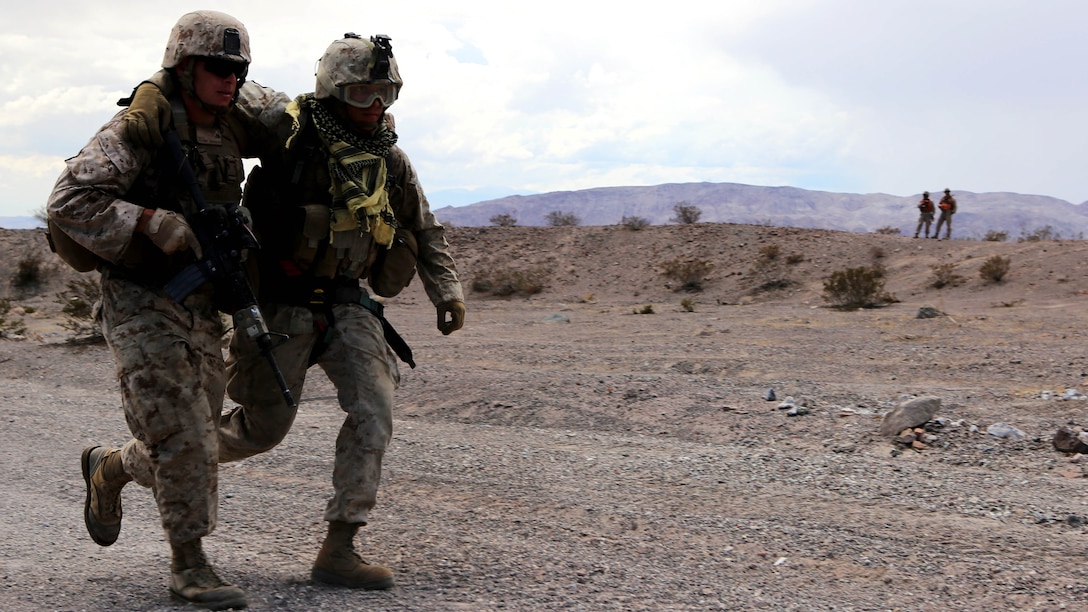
[(338, 563), (193, 580), (105, 477)]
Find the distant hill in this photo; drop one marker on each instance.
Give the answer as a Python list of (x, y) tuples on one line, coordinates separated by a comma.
[(978, 213), (19, 223)]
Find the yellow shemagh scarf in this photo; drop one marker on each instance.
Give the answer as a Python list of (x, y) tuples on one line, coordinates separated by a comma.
[(357, 173)]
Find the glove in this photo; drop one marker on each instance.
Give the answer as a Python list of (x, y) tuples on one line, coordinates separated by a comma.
[(169, 231), (147, 117), (456, 312)]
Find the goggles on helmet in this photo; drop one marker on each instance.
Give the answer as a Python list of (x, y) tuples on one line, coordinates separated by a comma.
[(223, 68), (363, 95)]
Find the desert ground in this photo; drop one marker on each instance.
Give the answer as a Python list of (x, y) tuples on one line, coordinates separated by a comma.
[(606, 442)]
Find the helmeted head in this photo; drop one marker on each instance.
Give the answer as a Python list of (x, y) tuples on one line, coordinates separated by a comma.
[(207, 34), (948, 191), (357, 72), (925, 194)]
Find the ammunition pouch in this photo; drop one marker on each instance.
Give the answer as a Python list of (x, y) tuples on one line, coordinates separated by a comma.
[(394, 267)]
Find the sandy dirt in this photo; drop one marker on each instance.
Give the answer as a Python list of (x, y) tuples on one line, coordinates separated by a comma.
[(564, 452)]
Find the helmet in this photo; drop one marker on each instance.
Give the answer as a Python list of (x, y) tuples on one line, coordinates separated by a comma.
[(207, 34), (925, 194), (357, 71), (948, 190)]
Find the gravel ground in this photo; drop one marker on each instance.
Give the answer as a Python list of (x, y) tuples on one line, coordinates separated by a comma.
[(614, 461)]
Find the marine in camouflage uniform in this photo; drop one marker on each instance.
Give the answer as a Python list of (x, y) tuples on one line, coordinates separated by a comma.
[(339, 203), (925, 214), (123, 203), (947, 205)]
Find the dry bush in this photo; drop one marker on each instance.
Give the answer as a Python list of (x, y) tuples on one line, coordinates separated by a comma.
[(9, 328), (857, 288), (634, 223), (944, 275), (647, 309), (794, 258), (685, 214), (1047, 232), (560, 219), (687, 305), (888, 230), (503, 220), (769, 253), (78, 305), (995, 268), (689, 273), (877, 252), (510, 281), (29, 271), (996, 236)]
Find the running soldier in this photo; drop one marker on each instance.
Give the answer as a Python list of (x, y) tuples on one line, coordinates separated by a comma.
[(123, 204)]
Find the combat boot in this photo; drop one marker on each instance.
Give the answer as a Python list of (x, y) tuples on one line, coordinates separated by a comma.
[(193, 580), (105, 477), (338, 563)]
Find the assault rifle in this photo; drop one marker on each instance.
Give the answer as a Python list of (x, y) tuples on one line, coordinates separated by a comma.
[(223, 235)]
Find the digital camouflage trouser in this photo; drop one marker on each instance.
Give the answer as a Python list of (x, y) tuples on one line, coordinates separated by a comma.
[(170, 367)]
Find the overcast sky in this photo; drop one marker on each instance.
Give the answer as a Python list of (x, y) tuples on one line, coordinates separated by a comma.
[(504, 98)]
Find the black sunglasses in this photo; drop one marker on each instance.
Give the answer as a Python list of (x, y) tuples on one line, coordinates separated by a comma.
[(223, 68)]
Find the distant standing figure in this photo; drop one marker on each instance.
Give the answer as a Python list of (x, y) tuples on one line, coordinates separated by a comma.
[(926, 215), (948, 208)]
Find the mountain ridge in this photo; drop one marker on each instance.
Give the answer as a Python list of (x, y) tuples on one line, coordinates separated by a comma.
[(979, 213)]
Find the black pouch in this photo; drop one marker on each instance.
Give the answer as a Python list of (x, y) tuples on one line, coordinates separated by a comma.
[(395, 266)]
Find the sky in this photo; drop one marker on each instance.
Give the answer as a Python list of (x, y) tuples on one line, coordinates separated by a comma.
[(507, 98)]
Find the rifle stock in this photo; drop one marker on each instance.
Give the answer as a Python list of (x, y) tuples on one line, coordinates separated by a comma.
[(223, 236)]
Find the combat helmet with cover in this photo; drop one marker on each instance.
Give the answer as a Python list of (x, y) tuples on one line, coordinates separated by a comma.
[(217, 38), (357, 71)]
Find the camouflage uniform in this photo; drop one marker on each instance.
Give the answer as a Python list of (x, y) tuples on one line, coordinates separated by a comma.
[(925, 216), (310, 290), (948, 208), (168, 356)]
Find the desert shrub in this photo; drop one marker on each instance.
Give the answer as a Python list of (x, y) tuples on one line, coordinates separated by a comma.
[(647, 309), (77, 303), (888, 230), (769, 252), (558, 219), (687, 305), (9, 328), (503, 220), (857, 288), (1046, 232), (29, 271), (794, 258), (634, 223), (944, 275), (996, 236), (876, 252), (688, 273), (510, 281), (995, 268), (685, 214)]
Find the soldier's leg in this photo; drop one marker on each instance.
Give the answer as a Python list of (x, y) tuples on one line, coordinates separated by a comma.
[(364, 370), (263, 418), (170, 366), (948, 228)]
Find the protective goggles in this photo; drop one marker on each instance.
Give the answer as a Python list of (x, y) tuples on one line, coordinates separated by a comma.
[(364, 94), (223, 68)]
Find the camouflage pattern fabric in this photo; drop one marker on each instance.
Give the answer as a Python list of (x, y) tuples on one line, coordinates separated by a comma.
[(361, 366), (170, 367)]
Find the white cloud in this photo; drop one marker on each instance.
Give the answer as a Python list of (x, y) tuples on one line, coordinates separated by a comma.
[(842, 95)]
